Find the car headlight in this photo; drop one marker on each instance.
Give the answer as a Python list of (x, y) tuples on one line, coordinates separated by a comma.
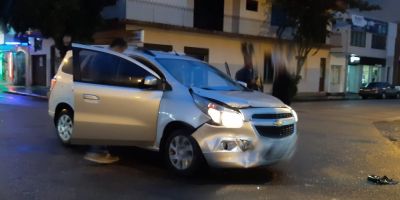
[(296, 118), (219, 114)]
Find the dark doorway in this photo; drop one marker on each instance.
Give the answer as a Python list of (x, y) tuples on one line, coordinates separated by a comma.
[(209, 14), (20, 65), (39, 70), (322, 76), (269, 70)]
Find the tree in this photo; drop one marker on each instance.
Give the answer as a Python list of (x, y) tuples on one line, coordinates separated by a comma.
[(54, 18), (310, 22)]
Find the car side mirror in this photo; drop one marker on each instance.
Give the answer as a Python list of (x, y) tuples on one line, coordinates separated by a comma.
[(150, 81), (242, 83)]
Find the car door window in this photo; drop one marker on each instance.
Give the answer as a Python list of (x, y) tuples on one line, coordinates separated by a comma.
[(130, 74), (98, 67)]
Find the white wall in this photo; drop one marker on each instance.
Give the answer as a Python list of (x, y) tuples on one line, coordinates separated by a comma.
[(337, 59), (250, 21), (390, 49)]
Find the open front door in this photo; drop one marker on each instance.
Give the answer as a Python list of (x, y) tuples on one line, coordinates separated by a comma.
[(111, 105)]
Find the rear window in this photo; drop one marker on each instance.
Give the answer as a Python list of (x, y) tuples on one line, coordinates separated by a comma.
[(67, 66), (377, 85)]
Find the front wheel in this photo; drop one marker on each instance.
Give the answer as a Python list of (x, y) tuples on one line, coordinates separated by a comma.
[(383, 96), (65, 126), (182, 153)]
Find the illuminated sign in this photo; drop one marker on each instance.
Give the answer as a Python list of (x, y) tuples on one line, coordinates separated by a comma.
[(7, 47), (354, 59), (10, 66)]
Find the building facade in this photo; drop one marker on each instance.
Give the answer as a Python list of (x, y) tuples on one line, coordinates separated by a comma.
[(214, 30), (365, 52)]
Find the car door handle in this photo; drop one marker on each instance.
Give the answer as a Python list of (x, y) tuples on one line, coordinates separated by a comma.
[(91, 97)]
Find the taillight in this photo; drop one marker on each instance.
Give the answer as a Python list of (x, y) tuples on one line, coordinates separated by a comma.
[(53, 83)]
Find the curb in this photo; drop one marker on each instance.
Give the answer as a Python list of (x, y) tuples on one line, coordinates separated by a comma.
[(314, 100), (27, 94)]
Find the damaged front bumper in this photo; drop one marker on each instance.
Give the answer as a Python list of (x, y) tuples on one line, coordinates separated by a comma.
[(243, 147)]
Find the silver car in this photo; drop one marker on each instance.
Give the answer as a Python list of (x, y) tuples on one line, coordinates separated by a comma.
[(184, 108)]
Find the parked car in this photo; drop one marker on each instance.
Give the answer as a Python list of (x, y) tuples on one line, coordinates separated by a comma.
[(182, 107), (381, 90)]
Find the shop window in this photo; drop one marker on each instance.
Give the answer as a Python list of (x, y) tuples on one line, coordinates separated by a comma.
[(268, 69), (198, 53), (378, 42), (252, 5), (335, 74), (358, 38), (158, 47)]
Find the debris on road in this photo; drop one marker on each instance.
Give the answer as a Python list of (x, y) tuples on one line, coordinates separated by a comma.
[(384, 180)]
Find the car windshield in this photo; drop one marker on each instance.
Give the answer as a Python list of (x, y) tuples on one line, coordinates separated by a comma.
[(198, 74), (375, 85)]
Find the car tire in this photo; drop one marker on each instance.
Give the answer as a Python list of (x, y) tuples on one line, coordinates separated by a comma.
[(363, 97), (397, 96), (182, 154), (383, 96), (64, 126)]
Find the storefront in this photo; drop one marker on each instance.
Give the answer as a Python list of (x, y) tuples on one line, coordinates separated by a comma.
[(12, 64), (25, 59), (7, 63), (364, 70)]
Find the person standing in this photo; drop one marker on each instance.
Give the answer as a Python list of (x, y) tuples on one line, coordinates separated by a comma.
[(101, 154), (248, 75), (284, 86)]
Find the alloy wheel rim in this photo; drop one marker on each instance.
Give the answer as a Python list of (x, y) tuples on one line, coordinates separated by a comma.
[(180, 152), (65, 127)]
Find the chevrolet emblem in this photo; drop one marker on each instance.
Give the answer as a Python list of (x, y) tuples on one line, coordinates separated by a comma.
[(278, 123)]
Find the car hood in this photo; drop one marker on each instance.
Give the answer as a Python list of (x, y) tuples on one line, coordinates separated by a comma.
[(241, 99)]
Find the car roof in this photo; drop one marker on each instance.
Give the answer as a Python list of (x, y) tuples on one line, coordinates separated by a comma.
[(379, 83), (139, 51)]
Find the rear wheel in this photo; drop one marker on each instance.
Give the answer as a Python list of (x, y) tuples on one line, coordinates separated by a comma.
[(182, 153), (397, 96), (363, 97), (65, 126), (383, 96)]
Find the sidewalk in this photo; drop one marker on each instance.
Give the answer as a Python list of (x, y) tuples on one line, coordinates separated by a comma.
[(348, 96), (34, 91)]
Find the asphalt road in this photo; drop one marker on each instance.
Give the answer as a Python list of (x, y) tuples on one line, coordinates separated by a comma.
[(338, 147)]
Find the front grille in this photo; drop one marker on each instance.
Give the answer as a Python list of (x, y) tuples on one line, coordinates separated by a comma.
[(272, 116), (275, 131)]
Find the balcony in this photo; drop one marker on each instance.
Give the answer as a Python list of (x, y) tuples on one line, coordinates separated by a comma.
[(182, 13), (176, 12)]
